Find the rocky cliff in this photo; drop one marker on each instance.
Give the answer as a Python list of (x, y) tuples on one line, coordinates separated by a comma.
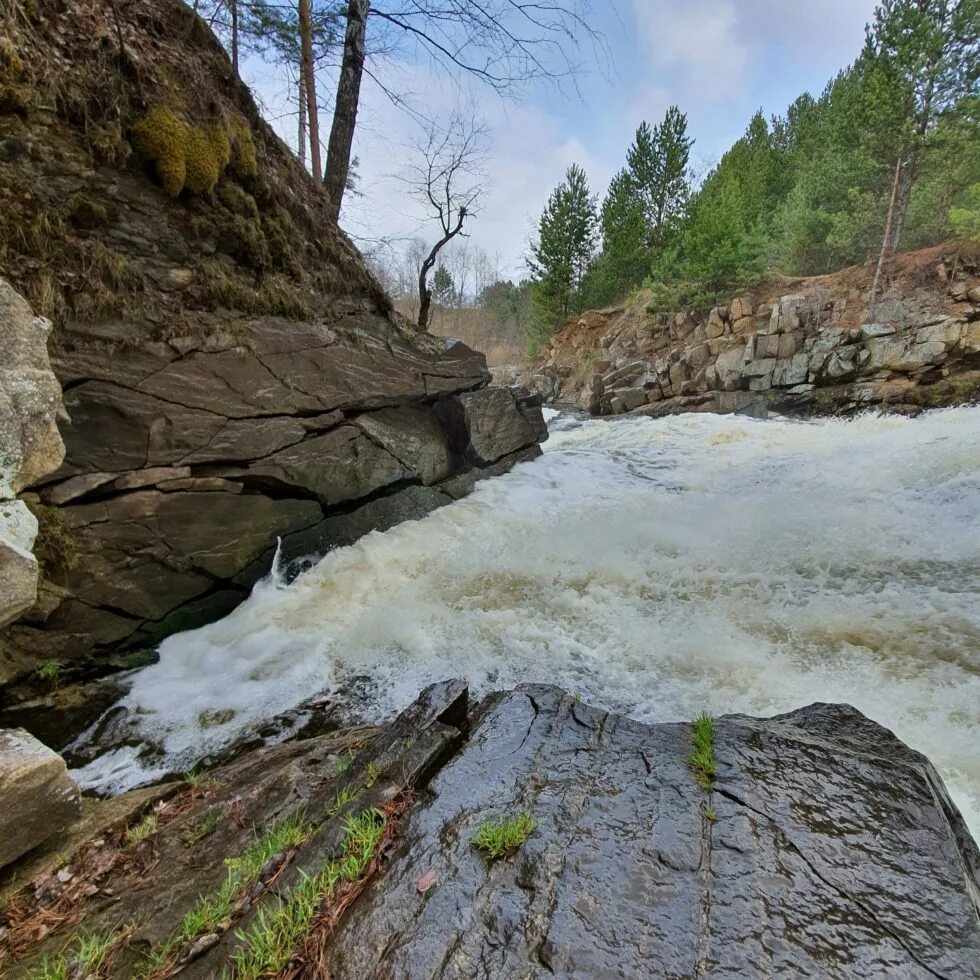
[(802, 346), (528, 836), (231, 371)]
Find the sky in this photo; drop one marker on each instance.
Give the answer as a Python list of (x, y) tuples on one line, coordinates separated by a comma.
[(718, 60)]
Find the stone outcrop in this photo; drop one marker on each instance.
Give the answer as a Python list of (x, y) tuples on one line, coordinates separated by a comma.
[(38, 799), (30, 445), (824, 847), (799, 346), (233, 373)]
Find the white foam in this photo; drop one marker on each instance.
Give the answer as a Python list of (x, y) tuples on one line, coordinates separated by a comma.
[(658, 567)]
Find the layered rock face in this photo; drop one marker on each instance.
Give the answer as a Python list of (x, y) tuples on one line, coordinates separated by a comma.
[(801, 346), (824, 847), (30, 445), (232, 372)]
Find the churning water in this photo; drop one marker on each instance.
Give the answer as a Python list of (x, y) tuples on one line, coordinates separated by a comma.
[(658, 567)]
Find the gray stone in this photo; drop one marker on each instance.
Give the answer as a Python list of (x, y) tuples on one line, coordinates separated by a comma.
[(413, 436), (792, 371), (38, 798), (489, 425), (759, 368), (872, 330), (832, 850)]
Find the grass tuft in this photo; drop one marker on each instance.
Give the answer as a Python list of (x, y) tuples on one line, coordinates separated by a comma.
[(91, 955), (502, 837), (144, 829), (272, 939), (702, 760)]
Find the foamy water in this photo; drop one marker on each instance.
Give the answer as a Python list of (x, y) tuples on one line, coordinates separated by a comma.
[(658, 567)]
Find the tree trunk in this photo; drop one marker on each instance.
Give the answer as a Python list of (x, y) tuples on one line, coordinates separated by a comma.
[(234, 36), (902, 203), (345, 109), (301, 136), (309, 82), (886, 242), (425, 295)]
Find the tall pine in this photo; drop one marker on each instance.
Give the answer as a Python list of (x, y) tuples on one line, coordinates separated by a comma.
[(563, 252)]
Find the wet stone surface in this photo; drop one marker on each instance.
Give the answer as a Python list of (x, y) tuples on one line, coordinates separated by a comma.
[(833, 851), (824, 848)]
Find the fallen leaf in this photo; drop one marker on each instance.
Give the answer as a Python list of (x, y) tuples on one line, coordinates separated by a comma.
[(426, 882)]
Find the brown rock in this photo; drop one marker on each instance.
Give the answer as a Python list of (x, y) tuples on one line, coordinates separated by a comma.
[(38, 798)]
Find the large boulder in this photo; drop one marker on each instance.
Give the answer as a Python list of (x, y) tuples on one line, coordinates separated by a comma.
[(825, 848), (30, 446), (38, 799)]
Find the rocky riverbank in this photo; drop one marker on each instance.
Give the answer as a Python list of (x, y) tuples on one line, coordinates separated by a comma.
[(798, 346), (527, 835), (233, 375)]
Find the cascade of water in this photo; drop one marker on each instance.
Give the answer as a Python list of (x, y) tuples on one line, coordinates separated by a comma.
[(658, 567)]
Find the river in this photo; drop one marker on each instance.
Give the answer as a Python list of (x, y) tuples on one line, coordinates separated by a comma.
[(657, 567)]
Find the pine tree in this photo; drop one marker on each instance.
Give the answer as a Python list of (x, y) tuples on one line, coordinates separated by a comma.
[(561, 256), (626, 255), (657, 162), (932, 47), (443, 288)]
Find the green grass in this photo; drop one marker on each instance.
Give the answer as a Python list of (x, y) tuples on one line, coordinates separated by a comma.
[(497, 838), (270, 942), (342, 799), (50, 672), (91, 954), (373, 772), (143, 830), (211, 911), (344, 763), (702, 760)]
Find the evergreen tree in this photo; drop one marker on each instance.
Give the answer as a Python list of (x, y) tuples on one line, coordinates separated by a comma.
[(932, 49), (626, 255), (443, 288), (657, 163), (563, 252)]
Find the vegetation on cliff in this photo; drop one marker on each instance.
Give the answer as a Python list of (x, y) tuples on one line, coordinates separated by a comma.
[(886, 157)]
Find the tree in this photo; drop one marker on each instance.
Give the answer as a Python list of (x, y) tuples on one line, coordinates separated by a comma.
[(563, 252), (447, 177), (443, 287), (502, 43), (932, 49), (657, 163), (626, 255)]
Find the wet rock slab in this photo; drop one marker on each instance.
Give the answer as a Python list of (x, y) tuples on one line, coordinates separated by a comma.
[(827, 848)]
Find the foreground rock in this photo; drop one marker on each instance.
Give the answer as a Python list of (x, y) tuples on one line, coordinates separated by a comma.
[(233, 372), (38, 798), (825, 847), (802, 346), (30, 446)]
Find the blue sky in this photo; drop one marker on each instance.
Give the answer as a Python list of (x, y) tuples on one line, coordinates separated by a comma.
[(719, 60)]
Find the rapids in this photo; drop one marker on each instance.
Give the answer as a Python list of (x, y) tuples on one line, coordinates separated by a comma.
[(657, 567)]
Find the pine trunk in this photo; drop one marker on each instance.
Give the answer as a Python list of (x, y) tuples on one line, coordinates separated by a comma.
[(345, 109), (234, 36), (309, 82), (886, 242), (301, 135)]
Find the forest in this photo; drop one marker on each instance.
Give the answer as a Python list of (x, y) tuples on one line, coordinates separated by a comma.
[(887, 157)]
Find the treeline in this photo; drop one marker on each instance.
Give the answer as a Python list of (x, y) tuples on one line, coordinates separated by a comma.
[(887, 157)]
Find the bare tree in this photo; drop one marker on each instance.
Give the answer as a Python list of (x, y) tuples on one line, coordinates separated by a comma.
[(309, 82), (447, 177), (503, 43)]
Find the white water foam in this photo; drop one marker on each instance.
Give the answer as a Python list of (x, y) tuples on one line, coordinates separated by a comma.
[(659, 567)]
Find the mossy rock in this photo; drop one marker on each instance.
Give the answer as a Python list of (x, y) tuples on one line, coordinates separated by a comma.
[(189, 157)]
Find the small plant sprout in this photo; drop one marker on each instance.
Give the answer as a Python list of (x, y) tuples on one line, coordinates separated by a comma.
[(503, 836), (344, 762), (50, 672), (143, 829), (373, 772), (702, 760), (343, 797)]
